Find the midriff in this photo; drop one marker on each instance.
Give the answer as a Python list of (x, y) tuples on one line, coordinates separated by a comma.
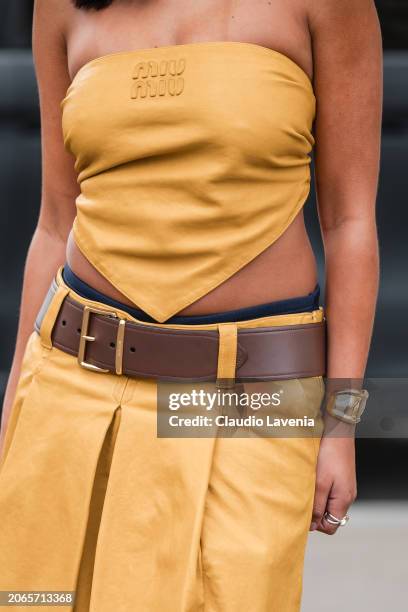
[(285, 269)]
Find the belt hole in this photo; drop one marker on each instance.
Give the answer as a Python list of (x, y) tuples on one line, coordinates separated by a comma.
[(132, 349), (78, 330), (112, 345), (63, 322)]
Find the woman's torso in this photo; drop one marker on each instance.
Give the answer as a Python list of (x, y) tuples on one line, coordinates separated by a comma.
[(287, 267)]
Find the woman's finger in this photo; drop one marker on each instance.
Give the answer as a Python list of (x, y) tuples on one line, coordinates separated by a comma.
[(322, 492), (338, 508)]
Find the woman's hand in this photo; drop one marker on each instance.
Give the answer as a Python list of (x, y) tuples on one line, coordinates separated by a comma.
[(336, 487)]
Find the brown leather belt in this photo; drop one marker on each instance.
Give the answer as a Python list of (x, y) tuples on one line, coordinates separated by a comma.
[(105, 342)]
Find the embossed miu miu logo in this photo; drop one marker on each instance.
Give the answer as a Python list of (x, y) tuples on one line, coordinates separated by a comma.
[(153, 79)]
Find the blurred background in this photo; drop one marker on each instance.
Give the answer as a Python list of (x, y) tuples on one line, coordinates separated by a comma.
[(368, 556)]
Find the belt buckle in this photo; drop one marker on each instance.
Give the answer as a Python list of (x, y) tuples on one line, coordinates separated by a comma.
[(84, 338)]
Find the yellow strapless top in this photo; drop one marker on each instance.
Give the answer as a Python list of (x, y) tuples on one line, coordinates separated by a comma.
[(191, 158)]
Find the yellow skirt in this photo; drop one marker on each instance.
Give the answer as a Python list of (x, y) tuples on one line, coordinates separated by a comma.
[(93, 501)]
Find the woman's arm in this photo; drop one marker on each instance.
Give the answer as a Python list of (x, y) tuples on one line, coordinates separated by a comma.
[(59, 185), (347, 53)]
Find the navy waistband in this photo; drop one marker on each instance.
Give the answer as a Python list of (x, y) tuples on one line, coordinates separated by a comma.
[(305, 303)]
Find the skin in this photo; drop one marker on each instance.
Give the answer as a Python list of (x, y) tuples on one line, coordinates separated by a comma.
[(338, 45)]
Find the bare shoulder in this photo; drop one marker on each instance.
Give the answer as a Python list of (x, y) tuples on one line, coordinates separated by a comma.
[(346, 41), (327, 10), (53, 16), (55, 9), (347, 65), (342, 17), (51, 23), (51, 19)]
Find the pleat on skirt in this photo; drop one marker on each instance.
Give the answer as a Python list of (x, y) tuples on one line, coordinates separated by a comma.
[(93, 501)]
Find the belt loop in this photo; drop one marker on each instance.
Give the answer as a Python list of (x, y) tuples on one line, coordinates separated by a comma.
[(227, 355), (51, 314)]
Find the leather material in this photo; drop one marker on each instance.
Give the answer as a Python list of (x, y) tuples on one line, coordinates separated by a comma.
[(265, 353), (87, 477), (192, 159)]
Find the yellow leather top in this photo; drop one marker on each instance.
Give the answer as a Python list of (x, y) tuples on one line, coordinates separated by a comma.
[(192, 159)]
